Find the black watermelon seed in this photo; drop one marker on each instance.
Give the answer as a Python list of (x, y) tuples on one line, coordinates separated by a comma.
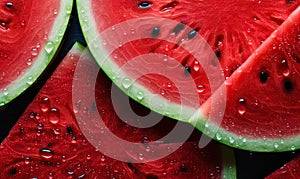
[(183, 168), (155, 32), (192, 34), (288, 85), (145, 5), (264, 76), (187, 70), (218, 53), (9, 4), (69, 130), (13, 171), (290, 1), (178, 28)]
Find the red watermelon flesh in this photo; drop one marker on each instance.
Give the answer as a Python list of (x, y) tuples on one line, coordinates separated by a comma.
[(233, 29), (290, 170), (263, 98), (232, 41), (47, 141), (30, 34)]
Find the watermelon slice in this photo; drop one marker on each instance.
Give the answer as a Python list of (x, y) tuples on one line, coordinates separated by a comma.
[(30, 34), (47, 141), (254, 118), (175, 54), (290, 170)]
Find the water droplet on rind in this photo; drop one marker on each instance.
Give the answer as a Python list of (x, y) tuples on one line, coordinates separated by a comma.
[(29, 80), (69, 10), (5, 91), (218, 136), (140, 95), (49, 46), (126, 83)]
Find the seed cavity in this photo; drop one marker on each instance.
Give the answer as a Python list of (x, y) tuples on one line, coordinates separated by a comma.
[(145, 5), (288, 85), (295, 57), (264, 76), (219, 40), (277, 20), (169, 6), (155, 32)]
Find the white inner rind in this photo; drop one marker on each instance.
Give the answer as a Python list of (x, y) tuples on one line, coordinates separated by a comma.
[(89, 28), (19, 85)]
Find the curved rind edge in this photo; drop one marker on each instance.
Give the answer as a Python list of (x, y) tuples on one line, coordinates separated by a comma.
[(228, 163), (88, 26), (31, 75)]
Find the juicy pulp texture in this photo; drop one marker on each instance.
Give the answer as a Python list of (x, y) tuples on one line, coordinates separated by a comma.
[(30, 34), (233, 29), (47, 141), (263, 96)]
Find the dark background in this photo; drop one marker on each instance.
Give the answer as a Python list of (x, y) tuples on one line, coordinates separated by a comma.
[(250, 165)]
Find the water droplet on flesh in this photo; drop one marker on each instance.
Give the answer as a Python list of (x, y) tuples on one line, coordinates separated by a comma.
[(54, 115), (196, 66), (46, 153), (34, 52), (285, 68), (241, 106), (200, 88), (45, 104)]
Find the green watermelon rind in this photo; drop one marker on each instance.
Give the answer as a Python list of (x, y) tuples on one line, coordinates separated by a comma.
[(228, 158), (55, 36), (263, 144)]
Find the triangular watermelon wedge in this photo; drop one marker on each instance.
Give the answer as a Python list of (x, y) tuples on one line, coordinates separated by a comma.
[(47, 141), (290, 170), (30, 34), (263, 96)]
